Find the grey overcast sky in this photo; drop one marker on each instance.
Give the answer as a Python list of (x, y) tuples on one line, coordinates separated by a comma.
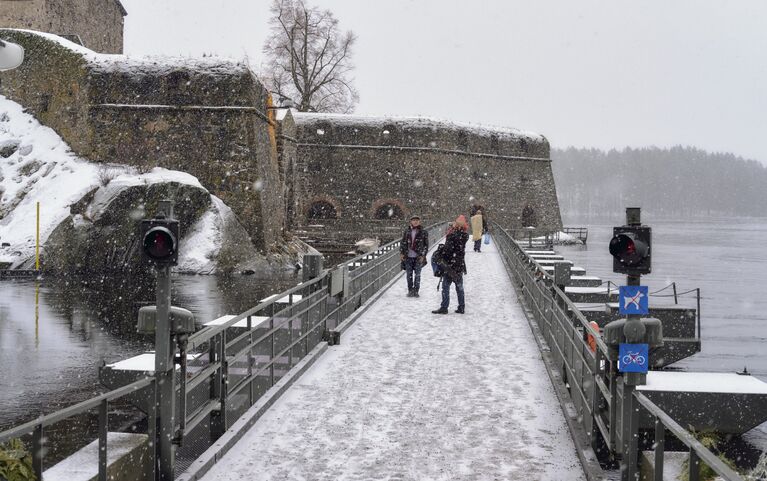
[(584, 73)]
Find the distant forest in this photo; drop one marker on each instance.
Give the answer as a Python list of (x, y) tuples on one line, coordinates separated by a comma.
[(676, 182)]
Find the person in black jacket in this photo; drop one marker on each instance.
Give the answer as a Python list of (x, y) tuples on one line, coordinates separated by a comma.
[(413, 250), (455, 265)]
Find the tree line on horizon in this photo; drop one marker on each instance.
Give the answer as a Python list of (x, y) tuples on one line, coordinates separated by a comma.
[(679, 182)]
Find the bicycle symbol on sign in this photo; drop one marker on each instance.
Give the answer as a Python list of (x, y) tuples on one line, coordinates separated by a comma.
[(633, 358)]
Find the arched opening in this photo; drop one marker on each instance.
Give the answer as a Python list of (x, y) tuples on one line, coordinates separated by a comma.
[(322, 209), (388, 210), (528, 217)]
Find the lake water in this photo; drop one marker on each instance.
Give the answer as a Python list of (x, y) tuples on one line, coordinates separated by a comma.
[(727, 260), (54, 333)]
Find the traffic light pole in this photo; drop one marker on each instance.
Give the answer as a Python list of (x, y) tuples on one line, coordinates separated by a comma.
[(634, 332), (164, 376), (164, 368)]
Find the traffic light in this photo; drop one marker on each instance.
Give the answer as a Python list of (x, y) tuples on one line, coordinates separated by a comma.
[(630, 248), (159, 241)]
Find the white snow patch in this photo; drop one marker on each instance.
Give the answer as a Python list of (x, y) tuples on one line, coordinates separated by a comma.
[(60, 180), (414, 122), (720, 382)]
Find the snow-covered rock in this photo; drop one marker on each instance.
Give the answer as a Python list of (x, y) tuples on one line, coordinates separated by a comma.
[(89, 212)]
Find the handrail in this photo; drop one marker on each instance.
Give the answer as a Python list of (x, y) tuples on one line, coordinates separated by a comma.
[(547, 303), (688, 439), (70, 411)]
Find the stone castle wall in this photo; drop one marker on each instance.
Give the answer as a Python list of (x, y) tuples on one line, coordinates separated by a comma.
[(97, 23), (356, 176), (208, 118), (419, 166)]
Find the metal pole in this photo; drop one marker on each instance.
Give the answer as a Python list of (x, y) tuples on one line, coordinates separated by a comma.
[(37, 240), (164, 374)]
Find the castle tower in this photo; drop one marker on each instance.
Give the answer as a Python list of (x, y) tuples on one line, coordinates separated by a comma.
[(96, 24)]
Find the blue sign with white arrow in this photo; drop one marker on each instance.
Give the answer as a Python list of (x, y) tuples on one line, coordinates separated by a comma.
[(633, 300)]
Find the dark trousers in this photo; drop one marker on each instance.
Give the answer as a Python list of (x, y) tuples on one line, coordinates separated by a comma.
[(477, 244), (446, 281), (413, 273)]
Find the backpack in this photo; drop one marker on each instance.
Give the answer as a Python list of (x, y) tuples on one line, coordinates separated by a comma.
[(438, 261)]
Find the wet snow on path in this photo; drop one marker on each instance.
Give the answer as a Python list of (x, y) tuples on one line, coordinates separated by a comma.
[(411, 395)]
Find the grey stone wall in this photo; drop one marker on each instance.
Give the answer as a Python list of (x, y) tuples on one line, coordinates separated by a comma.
[(98, 23), (208, 118), (432, 168), (287, 153)]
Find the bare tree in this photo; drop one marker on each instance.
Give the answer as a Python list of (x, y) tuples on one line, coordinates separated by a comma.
[(309, 60)]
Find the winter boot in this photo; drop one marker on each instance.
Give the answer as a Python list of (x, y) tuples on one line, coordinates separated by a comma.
[(410, 293), (415, 294), (441, 310), (460, 310)]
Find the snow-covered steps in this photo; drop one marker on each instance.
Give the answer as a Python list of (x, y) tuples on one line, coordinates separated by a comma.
[(574, 270), (727, 403), (591, 294)]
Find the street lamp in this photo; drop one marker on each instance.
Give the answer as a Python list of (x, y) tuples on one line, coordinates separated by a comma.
[(11, 55)]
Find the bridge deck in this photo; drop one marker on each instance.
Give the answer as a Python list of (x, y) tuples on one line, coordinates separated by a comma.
[(414, 395)]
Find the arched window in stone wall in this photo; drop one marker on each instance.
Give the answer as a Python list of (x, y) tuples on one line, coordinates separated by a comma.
[(528, 217), (494, 145), (322, 209), (462, 139), (388, 209)]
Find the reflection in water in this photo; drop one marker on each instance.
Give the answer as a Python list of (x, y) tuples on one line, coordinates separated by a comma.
[(55, 332)]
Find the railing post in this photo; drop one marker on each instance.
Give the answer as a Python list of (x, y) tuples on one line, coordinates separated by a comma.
[(676, 299), (700, 334), (165, 375), (224, 382), (38, 445), (660, 446), (694, 466), (250, 360), (103, 432)]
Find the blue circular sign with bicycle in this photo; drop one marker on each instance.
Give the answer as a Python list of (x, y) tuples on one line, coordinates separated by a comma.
[(633, 357)]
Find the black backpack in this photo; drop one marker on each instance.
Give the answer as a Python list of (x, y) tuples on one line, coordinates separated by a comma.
[(438, 261)]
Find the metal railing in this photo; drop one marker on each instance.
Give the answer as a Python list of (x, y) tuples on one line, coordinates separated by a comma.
[(582, 233), (37, 427), (594, 385), (233, 364)]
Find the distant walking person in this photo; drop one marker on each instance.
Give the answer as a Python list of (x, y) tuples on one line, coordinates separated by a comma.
[(478, 228), (413, 250), (454, 264)]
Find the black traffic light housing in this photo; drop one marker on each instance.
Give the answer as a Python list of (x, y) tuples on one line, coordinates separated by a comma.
[(631, 250), (159, 241)]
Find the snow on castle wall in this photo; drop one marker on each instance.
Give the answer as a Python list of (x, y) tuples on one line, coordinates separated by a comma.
[(207, 117), (371, 173)]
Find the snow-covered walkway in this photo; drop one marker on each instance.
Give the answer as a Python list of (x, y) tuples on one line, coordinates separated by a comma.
[(411, 395)]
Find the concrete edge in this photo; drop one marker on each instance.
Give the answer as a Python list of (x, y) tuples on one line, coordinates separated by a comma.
[(588, 458), (348, 322), (221, 446)]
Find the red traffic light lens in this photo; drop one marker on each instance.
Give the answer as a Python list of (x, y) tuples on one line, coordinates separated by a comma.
[(622, 245), (159, 244)]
